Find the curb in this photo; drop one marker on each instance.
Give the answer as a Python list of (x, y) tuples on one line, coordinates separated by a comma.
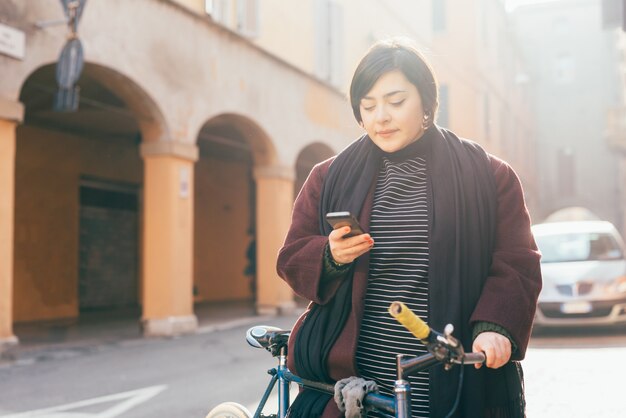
[(224, 326), (17, 354)]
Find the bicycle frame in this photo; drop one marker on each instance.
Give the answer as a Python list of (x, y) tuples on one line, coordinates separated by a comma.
[(442, 348), (399, 405)]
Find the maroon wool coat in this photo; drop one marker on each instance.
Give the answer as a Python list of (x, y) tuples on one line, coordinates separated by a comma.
[(508, 298)]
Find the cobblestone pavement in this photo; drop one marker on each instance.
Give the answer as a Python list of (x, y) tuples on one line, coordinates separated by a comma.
[(576, 375)]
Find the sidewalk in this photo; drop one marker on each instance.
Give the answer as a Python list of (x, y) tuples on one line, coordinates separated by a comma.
[(98, 328)]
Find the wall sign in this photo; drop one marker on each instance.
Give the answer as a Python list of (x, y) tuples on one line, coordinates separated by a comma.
[(184, 180), (12, 42)]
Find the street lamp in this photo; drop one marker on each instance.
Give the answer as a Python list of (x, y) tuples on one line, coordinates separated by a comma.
[(71, 62)]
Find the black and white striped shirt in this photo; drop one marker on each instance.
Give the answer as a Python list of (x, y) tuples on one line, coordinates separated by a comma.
[(398, 272)]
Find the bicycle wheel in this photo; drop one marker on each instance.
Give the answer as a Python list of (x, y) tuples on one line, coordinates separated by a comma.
[(229, 410)]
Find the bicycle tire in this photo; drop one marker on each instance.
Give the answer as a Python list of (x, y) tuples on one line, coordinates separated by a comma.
[(229, 410)]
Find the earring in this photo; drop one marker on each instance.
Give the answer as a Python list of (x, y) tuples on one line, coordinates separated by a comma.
[(425, 124)]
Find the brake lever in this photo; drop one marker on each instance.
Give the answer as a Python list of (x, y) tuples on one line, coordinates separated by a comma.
[(445, 347), (447, 338)]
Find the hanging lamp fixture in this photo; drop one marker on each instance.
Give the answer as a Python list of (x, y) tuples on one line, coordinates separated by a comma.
[(71, 61)]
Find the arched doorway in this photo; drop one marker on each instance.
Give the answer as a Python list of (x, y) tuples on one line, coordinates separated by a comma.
[(225, 228), (307, 158), (78, 183)]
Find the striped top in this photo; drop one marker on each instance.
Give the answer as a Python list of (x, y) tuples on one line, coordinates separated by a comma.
[(398, 271)]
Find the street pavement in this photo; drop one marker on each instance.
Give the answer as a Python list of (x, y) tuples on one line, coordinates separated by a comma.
[(168, 377), (576, 373), (568, 374)]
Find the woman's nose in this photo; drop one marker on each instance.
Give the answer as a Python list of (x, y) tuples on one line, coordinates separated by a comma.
[(381, 114)]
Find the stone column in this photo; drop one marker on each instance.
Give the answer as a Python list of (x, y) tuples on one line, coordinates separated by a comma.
[(167, 239), (274, 190), (11, 114)]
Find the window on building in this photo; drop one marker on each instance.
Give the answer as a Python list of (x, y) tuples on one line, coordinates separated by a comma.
[(564, 69), (506, 138), (208, 7), (560, 26), (484, 23), (566, 172), (329, 41), (486, 118), (239, 15), (443, 115), (612, 14), (439, 15), (248, 17), (220, 11)]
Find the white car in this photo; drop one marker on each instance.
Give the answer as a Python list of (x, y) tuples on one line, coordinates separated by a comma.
[(584, 274)]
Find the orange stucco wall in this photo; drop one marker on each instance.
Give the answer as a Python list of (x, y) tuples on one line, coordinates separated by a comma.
[(275, 199), (167, 261), (7, 172), (222, 219), (48, 169)]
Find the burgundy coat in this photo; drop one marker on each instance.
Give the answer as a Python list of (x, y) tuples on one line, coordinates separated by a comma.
[(508, 298)]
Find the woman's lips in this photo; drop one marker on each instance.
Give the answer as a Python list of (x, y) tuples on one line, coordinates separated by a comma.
[(387, 133)]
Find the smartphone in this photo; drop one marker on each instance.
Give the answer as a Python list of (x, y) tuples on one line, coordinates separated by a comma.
[(341, 219)]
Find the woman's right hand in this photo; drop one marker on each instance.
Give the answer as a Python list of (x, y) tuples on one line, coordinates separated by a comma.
[(346, 250)]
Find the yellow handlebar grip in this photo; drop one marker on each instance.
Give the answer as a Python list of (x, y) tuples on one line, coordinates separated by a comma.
[(412, 322)]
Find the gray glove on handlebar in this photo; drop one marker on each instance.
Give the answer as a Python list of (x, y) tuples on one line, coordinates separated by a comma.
[(349, 395)]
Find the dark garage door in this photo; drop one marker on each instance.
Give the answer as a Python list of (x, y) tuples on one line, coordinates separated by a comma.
[(108, 248)]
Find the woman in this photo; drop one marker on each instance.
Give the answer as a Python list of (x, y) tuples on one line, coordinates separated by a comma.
[(449, 235)]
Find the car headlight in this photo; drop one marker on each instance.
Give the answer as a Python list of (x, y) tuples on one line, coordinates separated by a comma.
[(618, 285)]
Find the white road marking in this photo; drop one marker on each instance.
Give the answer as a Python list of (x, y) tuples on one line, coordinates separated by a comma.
[(129, 400)]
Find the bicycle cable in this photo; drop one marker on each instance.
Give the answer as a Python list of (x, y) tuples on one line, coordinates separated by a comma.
[(458, 391)]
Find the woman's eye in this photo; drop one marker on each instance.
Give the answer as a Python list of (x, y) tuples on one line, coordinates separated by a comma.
[(397, 103), (368, 108)]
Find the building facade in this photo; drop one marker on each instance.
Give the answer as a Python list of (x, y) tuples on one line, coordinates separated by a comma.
[(614, 22), (576, 74), (480, 65), (483, 76), (173, 183), (183, 151)]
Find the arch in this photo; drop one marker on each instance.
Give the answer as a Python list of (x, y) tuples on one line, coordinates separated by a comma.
[(230, 147), (129, 97), (73, 170), (235, 130), (307, 158)]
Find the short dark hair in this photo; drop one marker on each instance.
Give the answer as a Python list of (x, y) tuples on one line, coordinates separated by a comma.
[(389, 55)]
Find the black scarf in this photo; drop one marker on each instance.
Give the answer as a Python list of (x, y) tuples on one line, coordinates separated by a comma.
[(462, 215)]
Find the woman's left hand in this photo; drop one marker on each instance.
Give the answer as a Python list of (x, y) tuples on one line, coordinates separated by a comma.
[(497, 349)]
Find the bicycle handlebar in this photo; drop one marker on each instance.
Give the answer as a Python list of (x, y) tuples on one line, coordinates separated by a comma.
[(412, 322), (444, 347), (471, 358)]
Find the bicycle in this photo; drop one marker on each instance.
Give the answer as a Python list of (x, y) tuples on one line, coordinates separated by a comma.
[(442, 348)]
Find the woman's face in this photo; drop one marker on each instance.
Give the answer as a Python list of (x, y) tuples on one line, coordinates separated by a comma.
[(392, 112)]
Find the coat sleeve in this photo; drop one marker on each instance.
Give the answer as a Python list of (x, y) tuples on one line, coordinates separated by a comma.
[(301, 259), (509, 296)]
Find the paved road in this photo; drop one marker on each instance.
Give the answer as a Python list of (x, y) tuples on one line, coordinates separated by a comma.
[(169, 378), (567, 375), (578, 373)]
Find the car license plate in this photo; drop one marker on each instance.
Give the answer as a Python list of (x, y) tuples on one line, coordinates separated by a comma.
[(576, 307)]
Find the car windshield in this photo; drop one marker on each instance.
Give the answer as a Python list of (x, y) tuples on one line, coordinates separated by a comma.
[(558, 248)]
